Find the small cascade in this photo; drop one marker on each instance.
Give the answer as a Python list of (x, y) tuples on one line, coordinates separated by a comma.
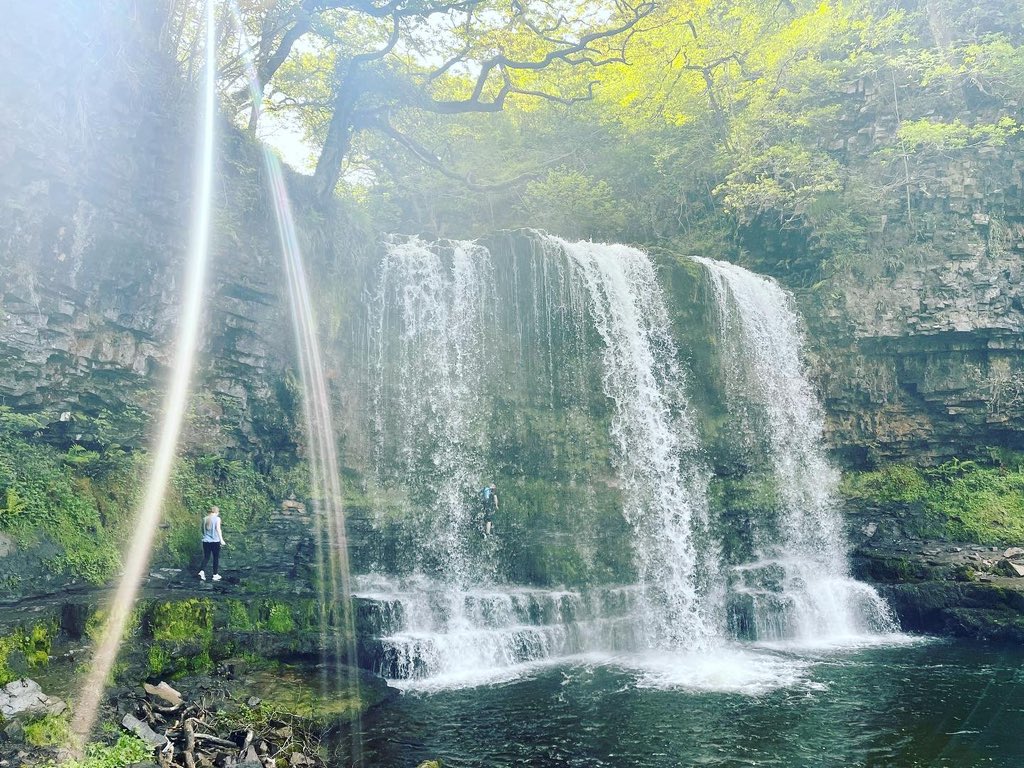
[(665, 498), (425, 633), (799, 587)]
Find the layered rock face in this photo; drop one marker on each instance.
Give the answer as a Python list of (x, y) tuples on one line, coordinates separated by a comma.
[(938, 371), (922, 359), (95, 142)]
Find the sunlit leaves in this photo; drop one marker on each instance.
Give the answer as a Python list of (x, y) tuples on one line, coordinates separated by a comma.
[(933, 134)]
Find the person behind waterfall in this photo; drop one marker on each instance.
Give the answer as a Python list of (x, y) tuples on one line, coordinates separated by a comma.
[(489, 503), (213, 540)]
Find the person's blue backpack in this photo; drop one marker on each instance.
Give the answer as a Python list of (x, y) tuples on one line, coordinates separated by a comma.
[(485, 494)]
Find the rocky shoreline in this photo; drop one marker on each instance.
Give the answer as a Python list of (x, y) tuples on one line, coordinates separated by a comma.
[(949, 589)]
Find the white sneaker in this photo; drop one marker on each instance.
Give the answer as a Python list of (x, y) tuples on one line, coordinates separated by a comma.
[(216, 577), (202, 575)]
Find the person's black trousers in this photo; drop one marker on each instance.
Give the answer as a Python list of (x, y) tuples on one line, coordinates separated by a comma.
[(211, 548)]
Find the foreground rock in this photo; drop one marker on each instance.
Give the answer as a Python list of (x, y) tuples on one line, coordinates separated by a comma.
[(22, 699), (959, 589)]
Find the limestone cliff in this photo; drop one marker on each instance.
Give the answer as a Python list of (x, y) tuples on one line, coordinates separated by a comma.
[(96, 140)]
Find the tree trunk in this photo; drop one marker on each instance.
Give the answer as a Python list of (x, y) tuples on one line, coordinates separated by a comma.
[(339, 137)]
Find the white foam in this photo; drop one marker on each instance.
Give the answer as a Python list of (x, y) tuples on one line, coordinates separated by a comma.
[(474, 678), (852, 642), (727, 670)]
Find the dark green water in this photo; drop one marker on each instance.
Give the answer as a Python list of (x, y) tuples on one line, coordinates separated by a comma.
[(928, 704)]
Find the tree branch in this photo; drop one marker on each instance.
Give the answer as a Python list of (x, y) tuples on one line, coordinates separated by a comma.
[(573, 54), (428, 157)]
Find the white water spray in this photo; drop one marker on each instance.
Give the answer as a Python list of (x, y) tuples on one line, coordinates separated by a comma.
[(432, 362), (665, 484), (175, 403), (429, 635), (813, 599)]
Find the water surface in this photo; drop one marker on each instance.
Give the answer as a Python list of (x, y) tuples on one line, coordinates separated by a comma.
[(927, 704)]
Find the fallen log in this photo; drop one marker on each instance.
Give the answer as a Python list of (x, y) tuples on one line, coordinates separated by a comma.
[(215, 740)]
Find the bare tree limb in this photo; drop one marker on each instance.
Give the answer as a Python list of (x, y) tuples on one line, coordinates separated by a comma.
[(432, 160)]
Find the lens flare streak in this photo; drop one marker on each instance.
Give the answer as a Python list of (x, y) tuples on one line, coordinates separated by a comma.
[(175, 402), (334, 573)]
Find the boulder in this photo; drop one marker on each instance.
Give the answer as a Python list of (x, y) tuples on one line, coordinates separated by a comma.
[(144, 732), (24, 698), (1010, 568), (165, 692), (14, 731), (1014, 553)]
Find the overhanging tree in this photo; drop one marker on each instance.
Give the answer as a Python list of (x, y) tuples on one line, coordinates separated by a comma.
[(347, 66)]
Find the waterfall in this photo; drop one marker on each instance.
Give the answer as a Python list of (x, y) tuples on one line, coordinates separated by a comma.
[(665, 484), (432, 362), (454, 331), (799, 585), (465, 339)]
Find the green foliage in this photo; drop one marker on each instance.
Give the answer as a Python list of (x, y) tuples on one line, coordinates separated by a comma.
[(183, 620), (895, 482), (569, 203), (782, 181), (8, 644), (183, 637), (960, 500), (48, 731), (126, 751), (933, 134), (983, 505), (238, 616), (37, 643), (13, 423), (32, 646), (43, 498), (159, 659), (279, 619)]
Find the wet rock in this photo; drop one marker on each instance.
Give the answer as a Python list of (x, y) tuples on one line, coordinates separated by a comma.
[(14, 731), (24, 698), (1010, 568), (144, 732)]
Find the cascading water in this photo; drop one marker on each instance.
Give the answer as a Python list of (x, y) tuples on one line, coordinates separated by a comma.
[(457, 332), (665, 497), (431, 364), (440, 330), (428, 634), (799, 586)]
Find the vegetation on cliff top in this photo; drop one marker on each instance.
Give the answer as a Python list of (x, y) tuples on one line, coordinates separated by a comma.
[(702, 121)]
